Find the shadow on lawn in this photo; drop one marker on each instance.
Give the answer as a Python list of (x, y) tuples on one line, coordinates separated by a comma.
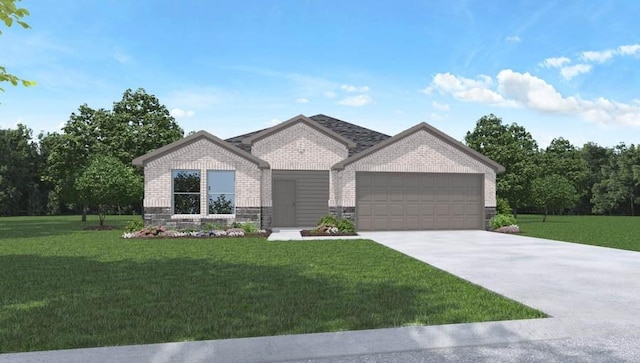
[(29, 227), (66, 302)]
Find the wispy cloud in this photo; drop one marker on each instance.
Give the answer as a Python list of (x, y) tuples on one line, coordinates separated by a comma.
[(180, 113), (555, 62), (598, 57), (440, 106), (302, 100), (572, 71), (330, 94), (351, 88), (121, 57), (513, 39), (632, 49), (515, 89), (357, 101)]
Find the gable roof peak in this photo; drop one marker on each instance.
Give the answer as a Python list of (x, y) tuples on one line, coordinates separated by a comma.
[(250, 140)]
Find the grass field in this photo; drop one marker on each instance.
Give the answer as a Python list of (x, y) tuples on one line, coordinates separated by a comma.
[(607, 231), (64, 287)]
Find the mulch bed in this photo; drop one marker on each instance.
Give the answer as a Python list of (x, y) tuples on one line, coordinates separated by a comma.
[(310, 233)]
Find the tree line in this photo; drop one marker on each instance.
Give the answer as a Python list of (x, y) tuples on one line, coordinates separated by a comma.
[(88, 164), (561, 178)]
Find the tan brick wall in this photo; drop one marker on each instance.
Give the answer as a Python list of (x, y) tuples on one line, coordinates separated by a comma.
[(420, 152), (201, 155), (300, 147)]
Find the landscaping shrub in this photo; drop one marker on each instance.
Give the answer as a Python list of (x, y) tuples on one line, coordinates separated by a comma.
[(214, 226), (134, 225), (247, 227), (503, 206), (502, 220), (328, 220), (346, 226)]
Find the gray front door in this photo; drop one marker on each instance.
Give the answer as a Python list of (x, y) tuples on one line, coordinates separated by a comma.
[(284, 203)]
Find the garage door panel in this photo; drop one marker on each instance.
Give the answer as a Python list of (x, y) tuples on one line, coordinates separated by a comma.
[(402, 201)]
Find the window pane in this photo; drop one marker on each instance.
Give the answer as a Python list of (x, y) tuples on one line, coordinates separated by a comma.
[(186, 203), (221, 181), (186, 181), (221, 191), (222, 203)]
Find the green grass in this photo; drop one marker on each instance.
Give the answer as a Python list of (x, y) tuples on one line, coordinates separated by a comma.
[(607, 231), (64, 287)]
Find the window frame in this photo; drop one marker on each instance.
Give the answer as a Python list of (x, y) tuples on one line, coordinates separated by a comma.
[(209, 193), (174, 174)]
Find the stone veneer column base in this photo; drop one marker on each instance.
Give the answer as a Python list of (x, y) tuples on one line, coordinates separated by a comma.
[(344, 212), (489, 212), (266, 213), (161, 216)]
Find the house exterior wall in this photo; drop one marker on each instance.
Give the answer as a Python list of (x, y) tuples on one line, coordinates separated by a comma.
[(200, 155), (300, 147), (420, 152)]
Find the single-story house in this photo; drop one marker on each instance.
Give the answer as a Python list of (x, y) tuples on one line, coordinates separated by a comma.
[(291, 174)]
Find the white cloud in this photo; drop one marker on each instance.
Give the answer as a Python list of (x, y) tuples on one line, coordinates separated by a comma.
[(180, 113), (302, 100), (351, 88), (516, 89), (513, 39), (572, 71), (440, 106), (598, 57), (631, 49), (359, 100), (466, 89), (555, 62), (273, 122), (330, 94), (121, 57)]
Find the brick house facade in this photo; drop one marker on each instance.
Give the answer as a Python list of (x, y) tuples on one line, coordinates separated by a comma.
[(320, 161)]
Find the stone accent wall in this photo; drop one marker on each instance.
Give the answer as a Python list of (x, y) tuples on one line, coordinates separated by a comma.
[(267, 217), (248, 214), (489, 212), (420, 152), (344, 212)]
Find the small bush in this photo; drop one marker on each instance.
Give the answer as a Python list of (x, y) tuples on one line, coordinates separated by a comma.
[(503, 206), (134, 225), (346, 226), (215, 226), (328, 220), (248, 227), (502, 220)]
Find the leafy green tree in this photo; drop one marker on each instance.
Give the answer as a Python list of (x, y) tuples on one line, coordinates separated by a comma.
[(619, 187), (21, 191), (136, 125), (106, 183), (553, 193), (514, 148), (562, 158), (10, 13), (595, 157)]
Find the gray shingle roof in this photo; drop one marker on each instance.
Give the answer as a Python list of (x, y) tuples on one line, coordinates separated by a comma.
[(363, 137)]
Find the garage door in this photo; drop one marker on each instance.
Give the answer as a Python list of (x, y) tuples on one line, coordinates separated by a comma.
[(418, 201)]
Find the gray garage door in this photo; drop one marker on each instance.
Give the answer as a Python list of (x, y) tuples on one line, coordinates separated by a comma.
[(418, 201), (300, 197)]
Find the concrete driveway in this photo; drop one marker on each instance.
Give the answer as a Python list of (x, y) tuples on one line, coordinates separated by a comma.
[(591, 293)]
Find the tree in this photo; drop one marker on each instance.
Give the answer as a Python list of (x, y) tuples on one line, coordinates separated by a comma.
[(562, 158), (21, 190), (10, 13), (106, 183), (514, 148), (595, 157), (136, 125), (619, 187), (553, 193)]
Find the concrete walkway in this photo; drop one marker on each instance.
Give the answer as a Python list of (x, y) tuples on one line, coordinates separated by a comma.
[(592, 294)]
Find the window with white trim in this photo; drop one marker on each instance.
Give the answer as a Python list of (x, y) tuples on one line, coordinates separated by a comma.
[(221, 191), (186, 191)]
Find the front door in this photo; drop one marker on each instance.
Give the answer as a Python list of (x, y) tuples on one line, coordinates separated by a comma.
[(284, 203)]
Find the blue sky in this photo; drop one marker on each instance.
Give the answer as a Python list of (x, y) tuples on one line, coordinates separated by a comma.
[(559, 68)]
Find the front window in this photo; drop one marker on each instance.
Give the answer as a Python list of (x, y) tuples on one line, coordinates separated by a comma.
[(186, 191), (221, 186)]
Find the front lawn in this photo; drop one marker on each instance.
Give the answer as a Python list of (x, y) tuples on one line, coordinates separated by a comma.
[(607, 231), (64, 287)]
